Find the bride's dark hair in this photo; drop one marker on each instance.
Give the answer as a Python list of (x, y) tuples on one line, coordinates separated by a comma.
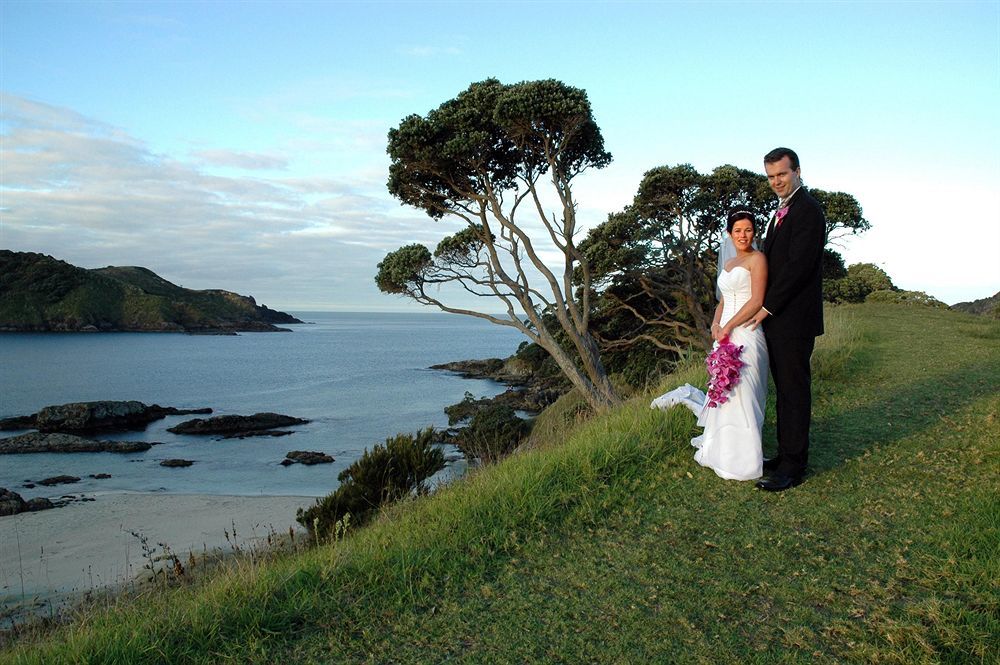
[(736, 214)]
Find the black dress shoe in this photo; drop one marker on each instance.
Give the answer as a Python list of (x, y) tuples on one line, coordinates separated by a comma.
[(778, 482), (772, 463)]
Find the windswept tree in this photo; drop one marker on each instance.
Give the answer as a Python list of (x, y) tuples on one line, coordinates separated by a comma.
[(655, 260), (843, 215), (843, 218), (492, 157)]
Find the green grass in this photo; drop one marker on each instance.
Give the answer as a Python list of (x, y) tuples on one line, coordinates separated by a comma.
[(607, 543)]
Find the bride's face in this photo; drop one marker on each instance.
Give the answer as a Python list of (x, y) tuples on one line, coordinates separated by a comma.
[(742, 235)]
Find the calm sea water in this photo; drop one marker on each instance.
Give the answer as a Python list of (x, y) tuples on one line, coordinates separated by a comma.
[(358, 377)]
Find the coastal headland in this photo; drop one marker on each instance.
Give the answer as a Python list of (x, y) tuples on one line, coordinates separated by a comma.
[(42, 294)]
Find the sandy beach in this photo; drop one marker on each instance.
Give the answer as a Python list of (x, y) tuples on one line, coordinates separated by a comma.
[(53, 556)]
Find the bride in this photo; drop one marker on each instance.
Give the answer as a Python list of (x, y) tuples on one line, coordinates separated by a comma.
[(731, 442)]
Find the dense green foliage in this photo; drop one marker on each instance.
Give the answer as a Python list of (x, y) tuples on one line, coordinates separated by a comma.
[(494, 151), (653, 264), (40, 293), (492, 433), (607, 543), (833, 265), (382, 475), (487, 139), (900, 297), (859, 280)]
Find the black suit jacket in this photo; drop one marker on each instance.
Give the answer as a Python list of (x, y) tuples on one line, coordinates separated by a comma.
[(794, 253)]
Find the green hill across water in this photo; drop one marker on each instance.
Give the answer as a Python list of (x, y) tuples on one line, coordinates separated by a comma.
[(604, 542), (40, 293)]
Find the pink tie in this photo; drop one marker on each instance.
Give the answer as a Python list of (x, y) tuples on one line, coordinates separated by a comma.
[(780, 215)]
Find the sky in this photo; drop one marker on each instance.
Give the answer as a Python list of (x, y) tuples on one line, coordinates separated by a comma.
[(241, 145)]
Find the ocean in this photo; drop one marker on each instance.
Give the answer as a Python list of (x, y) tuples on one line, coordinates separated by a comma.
[(358, 377)]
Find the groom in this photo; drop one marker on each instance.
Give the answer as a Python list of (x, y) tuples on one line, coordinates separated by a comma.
[(792, 314)]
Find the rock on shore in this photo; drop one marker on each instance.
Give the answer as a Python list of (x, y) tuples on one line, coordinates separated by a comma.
[(42, 442), (11, 503)]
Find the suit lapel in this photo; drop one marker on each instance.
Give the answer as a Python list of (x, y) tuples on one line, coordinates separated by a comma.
[(769, 235), (772, 229)]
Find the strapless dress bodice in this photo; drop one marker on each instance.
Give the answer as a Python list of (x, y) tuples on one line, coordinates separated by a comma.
[(735, 288)]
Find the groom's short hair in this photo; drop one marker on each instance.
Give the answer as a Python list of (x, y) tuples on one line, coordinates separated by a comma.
[(778, 154)]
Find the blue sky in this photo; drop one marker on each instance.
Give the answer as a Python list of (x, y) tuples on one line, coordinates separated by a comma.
[(242, 145)]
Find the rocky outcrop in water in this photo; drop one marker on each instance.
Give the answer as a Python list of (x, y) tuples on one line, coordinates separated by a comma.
[(234, 425), (17, 422), (90, 417), (176, 463), (42, 442), (527, 391), (104, 415), (59, 480), (306, 457), (266, 432)]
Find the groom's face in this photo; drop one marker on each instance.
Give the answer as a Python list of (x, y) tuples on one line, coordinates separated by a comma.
[(781, 177)]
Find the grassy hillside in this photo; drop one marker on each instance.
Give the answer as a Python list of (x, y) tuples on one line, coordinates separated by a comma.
[(607, 543), (40, 293)]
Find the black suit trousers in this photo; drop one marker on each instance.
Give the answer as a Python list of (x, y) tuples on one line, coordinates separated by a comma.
[(789, 360)]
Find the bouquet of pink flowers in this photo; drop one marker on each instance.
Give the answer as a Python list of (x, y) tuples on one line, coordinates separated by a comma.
[(723, 371)]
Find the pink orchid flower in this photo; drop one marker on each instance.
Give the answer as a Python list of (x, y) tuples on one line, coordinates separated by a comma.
[(723, 365)]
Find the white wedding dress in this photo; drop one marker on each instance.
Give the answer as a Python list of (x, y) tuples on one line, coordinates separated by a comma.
[(731, 442)]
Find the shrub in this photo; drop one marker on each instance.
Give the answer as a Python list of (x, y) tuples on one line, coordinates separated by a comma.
[(492, 434), (871, 277), (382, 475), (843, 290), (905, 298), (465, 409), (861, 279)]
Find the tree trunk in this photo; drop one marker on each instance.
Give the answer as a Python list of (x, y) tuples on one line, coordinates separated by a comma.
[(600, 394)]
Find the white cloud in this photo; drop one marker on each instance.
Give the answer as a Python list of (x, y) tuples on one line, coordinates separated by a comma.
[(241, 160), (89, 194)]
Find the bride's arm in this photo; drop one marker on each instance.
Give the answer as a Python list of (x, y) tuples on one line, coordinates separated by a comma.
[(758, 283), (716, 328)]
